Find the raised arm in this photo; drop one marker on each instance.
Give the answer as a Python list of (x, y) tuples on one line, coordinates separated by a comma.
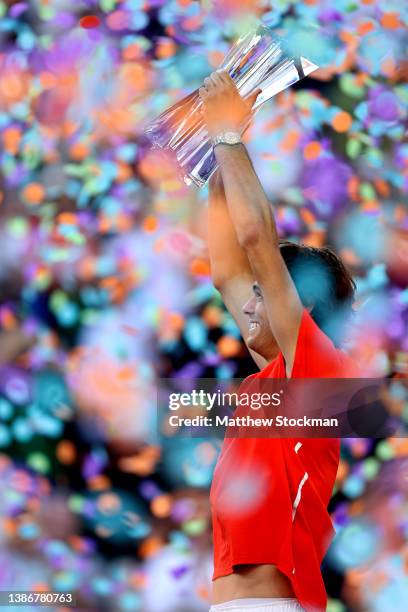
[(251, 214), (230, 269)]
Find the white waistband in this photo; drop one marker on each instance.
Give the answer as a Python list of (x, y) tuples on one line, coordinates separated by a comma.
[(253, 602)]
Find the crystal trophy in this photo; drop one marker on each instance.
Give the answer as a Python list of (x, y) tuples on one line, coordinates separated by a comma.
[(259, 59)]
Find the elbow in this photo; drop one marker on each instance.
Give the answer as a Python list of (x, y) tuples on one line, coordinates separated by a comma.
[(218, 282), (218, 277), (249, 236)]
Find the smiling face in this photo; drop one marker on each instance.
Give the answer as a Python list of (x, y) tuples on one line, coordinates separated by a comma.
[(260, 338)]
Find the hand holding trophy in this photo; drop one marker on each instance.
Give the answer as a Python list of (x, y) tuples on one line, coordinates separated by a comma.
[(259, 66)]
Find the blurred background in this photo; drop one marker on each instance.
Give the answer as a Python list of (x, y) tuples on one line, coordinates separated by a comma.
[(104, 281)]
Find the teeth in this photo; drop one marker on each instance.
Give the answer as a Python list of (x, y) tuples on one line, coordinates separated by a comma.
[(253, 325)]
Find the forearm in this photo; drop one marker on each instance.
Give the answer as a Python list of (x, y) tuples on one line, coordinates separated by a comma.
[(250, 210), (227, 257)]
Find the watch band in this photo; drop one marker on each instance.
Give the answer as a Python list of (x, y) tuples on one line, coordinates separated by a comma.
[(229, 138)]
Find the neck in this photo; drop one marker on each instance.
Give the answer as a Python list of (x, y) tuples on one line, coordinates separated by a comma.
[(271, 353)]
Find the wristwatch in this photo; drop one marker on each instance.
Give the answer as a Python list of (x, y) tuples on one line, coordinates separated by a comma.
[(229, 138)]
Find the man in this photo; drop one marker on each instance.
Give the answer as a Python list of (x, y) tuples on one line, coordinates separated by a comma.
[(268, 551)]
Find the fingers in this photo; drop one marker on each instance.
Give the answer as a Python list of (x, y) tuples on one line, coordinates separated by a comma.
[(226, 78), (217, 81), (203, 93)]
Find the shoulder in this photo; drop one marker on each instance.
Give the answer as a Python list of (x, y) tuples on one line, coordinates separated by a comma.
[(316, 354)]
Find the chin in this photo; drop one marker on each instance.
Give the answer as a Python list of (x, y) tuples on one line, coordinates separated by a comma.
[(252, 343)]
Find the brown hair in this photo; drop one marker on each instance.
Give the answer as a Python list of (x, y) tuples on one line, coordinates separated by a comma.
[(323, 282)]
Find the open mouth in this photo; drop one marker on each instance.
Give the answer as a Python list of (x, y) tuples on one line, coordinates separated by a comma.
[(253, 325)]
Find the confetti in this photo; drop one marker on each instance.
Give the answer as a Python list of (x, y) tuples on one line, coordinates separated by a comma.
[(104, 265), (89, 21)]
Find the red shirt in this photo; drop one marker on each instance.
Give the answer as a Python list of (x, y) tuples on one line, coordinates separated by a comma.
[(269, 496)]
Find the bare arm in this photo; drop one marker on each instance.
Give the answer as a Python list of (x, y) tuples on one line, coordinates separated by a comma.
[(231, 273), (252, 216), (251, 213)]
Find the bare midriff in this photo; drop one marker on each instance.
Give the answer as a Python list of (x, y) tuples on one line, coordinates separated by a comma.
[(251, 581)]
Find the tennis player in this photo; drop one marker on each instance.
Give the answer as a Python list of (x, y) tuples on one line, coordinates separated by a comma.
[(269, 496)]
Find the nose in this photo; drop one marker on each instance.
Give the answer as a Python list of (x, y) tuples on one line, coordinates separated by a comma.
[(249, 306)]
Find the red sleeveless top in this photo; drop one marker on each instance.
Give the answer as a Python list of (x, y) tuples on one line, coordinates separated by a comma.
[(269, 496)]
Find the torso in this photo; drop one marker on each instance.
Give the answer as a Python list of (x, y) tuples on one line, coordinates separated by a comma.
[(251, 581), (315, 357)]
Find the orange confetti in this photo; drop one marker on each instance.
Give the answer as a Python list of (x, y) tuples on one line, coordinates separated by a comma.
[(41, 587), (176, 321), (360, 79), (365, 27), (347, 37), (391, 21), (150, 224), (228, 346), (269, 156), (161, 505), (66, 452), (349, 257), (150, 546), (212, 316), (353, 187), (274, 123), (356, 507), (13, 86), (124, 172), (33, 193), (132, 52), (118, 20), (9, 526), (79, 151), (215, 58), (315, 239), (47, 80), (11, 140), (135, 75), (67, 218), (312, 150), (192, 23), (307, 216), (400, 213), (342, 121), (105, 224), (99, 483), (166, 47), (382, 187), (370, 205), (123, 222), (109, 282), (200, 267), (143, 463), (290, 141), (126, 373), (342, 471), (389, 67), (400, 447)]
